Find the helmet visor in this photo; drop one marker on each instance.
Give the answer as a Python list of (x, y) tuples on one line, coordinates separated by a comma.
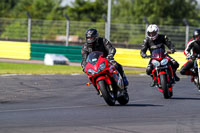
[(90, 38), (152, 34)]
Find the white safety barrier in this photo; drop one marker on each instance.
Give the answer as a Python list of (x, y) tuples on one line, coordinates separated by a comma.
[(53, 59)]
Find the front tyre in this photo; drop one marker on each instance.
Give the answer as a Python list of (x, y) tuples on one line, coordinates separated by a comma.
[(163, 82), (106, 93)]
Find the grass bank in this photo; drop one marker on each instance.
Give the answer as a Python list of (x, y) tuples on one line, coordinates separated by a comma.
[(20, 68)]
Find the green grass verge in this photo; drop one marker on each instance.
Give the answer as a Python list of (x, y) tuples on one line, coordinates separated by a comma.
[(133, 71), (20, 68)]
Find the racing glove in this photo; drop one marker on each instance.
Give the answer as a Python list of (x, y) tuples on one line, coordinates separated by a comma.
[(173, 51), (83, 69), (110, 57)]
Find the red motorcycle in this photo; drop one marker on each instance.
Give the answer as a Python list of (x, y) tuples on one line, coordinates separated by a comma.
[(106, 79), (162, 72)]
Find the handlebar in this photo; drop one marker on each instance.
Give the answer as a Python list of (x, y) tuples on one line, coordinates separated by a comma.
[(166, 53), (169, 52)]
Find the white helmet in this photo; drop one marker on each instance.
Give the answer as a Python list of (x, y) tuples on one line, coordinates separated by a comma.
[(152, 31)]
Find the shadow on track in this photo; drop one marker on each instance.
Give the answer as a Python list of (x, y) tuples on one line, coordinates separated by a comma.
[(139, 105), (185, 98)]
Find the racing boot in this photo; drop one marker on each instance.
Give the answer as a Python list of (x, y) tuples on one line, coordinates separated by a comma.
[(176, 78), (125, 80), (122, 92)]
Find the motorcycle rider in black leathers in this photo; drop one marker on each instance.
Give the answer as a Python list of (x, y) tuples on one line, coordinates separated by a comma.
[(96, 43), (192, 49), (154, 41)]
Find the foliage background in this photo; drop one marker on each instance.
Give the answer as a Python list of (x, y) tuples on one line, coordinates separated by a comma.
[(161, 12)]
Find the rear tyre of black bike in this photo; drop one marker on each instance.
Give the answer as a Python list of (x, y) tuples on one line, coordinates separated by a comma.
[(123, 100)]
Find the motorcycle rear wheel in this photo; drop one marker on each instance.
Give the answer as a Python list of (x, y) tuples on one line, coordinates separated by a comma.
[(106, 93), (123, 100), (163, 82)]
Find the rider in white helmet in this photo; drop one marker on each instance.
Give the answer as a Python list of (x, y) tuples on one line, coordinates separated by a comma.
[(152, 31), (154, 41)]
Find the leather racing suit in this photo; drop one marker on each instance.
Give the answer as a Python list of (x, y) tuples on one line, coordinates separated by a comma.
[(102, 45), (192, 49), (159, 42)]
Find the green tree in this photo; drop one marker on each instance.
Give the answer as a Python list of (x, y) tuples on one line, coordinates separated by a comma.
[(86, 10), (6, 7), (122, 11), (164, 11), (39, 9)]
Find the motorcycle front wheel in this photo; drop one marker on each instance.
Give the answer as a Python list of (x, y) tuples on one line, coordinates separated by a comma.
[(106, 93), (163, 82)]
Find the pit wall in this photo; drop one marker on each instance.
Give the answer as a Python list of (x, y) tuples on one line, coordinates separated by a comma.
[(15, 50), (35, 51), (132, 58)]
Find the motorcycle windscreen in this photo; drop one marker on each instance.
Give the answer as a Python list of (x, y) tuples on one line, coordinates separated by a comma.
[(93, 57), (158, 53)]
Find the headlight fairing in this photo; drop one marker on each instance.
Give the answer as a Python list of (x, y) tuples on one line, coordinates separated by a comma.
[(101, 67), (155, 63), (164, 62), (91, 71)]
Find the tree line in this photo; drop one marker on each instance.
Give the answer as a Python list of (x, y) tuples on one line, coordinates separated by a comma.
[(123, 11)]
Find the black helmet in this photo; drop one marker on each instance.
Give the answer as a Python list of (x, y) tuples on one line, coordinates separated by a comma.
[(196, 34), (91, 35)]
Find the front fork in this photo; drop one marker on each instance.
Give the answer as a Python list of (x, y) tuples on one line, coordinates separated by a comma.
[(156, 75), (107, 81), (157, 72)]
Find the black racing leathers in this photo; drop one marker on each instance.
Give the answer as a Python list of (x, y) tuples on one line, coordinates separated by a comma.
[(160, 42), (192, 49), (103, 45)]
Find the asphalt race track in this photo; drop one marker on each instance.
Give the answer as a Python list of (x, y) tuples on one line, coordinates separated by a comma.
[(64, 104)]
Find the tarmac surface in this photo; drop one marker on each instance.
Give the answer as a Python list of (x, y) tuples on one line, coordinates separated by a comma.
[(64, 104)]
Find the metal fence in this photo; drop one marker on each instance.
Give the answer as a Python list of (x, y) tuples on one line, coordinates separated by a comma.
[(68, 32)]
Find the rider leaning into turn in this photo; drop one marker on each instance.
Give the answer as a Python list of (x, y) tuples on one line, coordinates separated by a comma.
[(96, 43), (154, 41), (192, 49)]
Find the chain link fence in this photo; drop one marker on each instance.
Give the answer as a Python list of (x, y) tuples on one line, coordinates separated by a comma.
[(55, 32)]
